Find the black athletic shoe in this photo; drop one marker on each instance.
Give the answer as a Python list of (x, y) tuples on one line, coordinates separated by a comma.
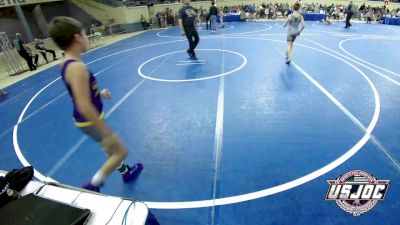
[(189, 53)]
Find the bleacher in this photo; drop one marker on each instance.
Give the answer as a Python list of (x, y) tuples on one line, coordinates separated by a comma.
[(128, 3)]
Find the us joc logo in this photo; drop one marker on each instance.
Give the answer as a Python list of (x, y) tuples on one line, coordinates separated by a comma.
[(356, 191)]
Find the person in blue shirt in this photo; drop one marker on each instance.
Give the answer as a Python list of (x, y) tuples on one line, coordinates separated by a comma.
[(158, 16), (290, 11)]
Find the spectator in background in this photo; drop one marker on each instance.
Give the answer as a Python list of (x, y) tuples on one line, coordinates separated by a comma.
[(396, 13), (164, 20), (158, 17), (170, 18), (208, 25), (144, 22), (200, 15), (221, 18), (213, 16), (34, 57), (43, 51), (326, 20), (92, 29), (369, 16), (25, 52), (362, 10)]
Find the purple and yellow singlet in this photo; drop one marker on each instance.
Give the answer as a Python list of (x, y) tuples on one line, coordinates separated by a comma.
[(79, 120)]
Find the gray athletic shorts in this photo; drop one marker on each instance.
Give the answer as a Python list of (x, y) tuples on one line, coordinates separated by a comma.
[(92, 132), (291, 37)]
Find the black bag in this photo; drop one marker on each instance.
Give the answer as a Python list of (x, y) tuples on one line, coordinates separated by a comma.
[(13, 183), (19, 178), (6, 194)]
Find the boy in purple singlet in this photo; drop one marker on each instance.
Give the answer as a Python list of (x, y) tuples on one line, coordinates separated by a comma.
[(88, 115)]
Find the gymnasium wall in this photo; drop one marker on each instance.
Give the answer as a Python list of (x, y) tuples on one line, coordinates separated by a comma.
[(38, 17), (120, 14), (11, 24), (8, 3)]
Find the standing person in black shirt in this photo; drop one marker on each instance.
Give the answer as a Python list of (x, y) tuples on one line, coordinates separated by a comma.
[(362, 8), (349, 11), (187, 17), (22, 49), (213, 16)]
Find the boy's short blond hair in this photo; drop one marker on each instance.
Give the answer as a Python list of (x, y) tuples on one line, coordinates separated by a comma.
[(62, 30)]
